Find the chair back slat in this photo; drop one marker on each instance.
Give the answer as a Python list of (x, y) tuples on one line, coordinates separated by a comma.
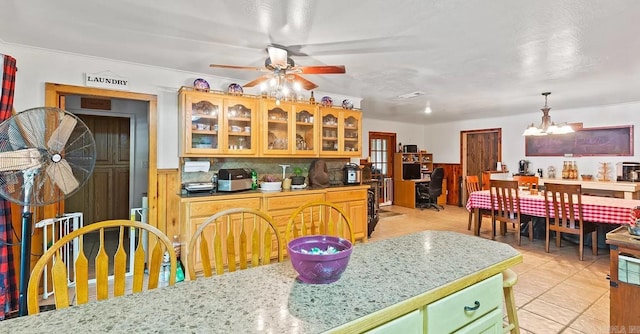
[(119, 266), (138, 266), (247, 235), (102, 271), (101, 260), (473, 184), (81, 272), (59, 278), (566, 205), (504, 195)]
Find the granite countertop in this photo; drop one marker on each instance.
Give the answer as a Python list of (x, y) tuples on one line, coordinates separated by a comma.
[(249, 192), (269, 299)]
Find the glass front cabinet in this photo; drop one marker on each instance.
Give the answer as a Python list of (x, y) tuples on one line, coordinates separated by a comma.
[(340, 132), (291, 129), (212, 124)]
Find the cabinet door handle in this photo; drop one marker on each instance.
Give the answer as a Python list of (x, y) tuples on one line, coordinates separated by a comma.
[(472, 308)]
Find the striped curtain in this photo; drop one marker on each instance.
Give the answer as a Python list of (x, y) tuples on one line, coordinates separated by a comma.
[(8, 287)]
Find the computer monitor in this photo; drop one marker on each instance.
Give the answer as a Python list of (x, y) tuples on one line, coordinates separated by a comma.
[(411, 172)]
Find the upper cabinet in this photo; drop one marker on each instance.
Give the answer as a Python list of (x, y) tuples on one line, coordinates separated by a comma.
[(215, 124), (341, 132)]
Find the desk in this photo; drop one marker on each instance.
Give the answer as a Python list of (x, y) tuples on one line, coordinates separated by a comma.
[(404, 192), (594, 208), (375, 289)]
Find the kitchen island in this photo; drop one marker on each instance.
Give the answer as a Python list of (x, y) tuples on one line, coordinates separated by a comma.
[(385, 282)]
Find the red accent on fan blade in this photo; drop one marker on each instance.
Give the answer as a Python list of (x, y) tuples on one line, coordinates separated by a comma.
[(323, 69), (233, 67), (306, 84), (257, 81)]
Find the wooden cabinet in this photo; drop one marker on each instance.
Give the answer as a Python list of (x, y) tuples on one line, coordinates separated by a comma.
[(415, 165), (624, 281), (354, 204), (422, 161), (281, 205), (340, 132), (306, 130), (216, 124), (291, 129)]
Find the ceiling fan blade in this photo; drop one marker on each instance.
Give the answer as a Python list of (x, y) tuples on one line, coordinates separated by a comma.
[(306, 84), (257, 81), (327, 69), (278, 56), (19, 159), (236, 67), (62, 175), (59, 137)]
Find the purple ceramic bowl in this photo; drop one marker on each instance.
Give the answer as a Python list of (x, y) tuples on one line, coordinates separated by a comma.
[(319, 268)]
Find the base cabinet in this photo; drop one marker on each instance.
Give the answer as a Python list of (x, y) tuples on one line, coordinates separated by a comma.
[(624, 282), (474, 309), (354, 204)]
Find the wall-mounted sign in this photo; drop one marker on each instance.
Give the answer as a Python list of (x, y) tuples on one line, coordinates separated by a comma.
[(107, 80)]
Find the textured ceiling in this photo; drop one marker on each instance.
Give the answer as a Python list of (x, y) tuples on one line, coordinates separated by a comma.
[(471, 58)]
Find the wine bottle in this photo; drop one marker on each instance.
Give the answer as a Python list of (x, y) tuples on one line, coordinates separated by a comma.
[(312, 99)]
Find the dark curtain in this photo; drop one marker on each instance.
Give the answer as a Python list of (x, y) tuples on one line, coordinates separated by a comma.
[(8, 287)]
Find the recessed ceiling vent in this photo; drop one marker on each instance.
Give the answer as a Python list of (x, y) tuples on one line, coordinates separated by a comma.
[(410, 95)]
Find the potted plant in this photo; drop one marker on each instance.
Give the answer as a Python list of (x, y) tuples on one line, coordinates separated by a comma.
[(298, 178)]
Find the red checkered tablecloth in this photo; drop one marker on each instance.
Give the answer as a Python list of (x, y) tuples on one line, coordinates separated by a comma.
[(594, 208)]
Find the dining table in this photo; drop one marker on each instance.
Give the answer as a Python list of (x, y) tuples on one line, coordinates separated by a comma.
[(384, 280), (596, 209)]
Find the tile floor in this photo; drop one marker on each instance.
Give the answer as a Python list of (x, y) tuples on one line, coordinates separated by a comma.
[(556, 292)]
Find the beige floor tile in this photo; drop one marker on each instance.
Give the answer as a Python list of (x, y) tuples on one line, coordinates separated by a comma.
[(540, 307), (538, 324), (572, 331), (600, 309), (590, 325)]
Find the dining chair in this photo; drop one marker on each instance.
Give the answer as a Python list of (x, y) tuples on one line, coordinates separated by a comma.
[(319, 217), (473, 184), (564, 203), (80, 266), (506, 207), (234, 239), (528, 182)]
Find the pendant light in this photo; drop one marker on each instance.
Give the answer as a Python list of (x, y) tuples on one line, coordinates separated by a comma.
[(547, 126)]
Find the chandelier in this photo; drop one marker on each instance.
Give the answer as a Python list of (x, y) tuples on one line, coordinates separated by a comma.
[(547, 127), (281, 86)]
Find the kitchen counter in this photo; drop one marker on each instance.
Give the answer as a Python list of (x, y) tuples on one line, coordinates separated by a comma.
[(417, 269), (629, 190), (252, 193)]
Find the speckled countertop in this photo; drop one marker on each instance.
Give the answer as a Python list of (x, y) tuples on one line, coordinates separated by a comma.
[(269, 299)]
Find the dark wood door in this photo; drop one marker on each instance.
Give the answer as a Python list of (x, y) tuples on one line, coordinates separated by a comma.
[(480, 151), (106, 194)]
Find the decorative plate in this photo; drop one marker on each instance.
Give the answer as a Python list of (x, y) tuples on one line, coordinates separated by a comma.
[(347, 104), (201, 84), (326, 101), (235, 89)]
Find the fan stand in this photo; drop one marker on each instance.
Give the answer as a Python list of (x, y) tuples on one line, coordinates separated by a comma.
[(25, 245)]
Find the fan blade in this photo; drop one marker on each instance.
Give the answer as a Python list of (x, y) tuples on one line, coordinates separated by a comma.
[(338, 69), (237, 67), (257, 81), (20, 159), (59, 138), (306, 84), (62, 175), (278, 56)]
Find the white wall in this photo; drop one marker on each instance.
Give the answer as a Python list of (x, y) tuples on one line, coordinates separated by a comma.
[(406, 133), (444, 139), (38, 66)]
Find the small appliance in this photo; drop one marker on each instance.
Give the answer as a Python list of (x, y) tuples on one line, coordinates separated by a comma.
[(234, 179), (410, 148), (352, 174), (199, 186), (628, 171), (523, 167)]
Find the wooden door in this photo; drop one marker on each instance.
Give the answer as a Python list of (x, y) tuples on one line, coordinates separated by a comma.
[(480, 151), (106, 193), (381, 148)]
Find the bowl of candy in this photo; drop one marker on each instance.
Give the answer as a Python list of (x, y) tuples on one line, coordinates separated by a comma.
[(319, 259)]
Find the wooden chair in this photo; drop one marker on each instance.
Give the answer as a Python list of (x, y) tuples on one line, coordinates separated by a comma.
[(319, 218), (530, 182), (473, 184), (239, 237), (506, 201), (81, 269), (565, 202)]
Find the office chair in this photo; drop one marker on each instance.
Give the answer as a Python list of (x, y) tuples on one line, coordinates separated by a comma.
[(427, 194)]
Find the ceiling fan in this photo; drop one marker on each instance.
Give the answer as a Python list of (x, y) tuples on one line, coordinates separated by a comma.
[(281, 66)]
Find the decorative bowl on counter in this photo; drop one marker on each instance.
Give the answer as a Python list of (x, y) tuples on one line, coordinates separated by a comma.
[(587, 177), (319, 259), (271, 186)]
